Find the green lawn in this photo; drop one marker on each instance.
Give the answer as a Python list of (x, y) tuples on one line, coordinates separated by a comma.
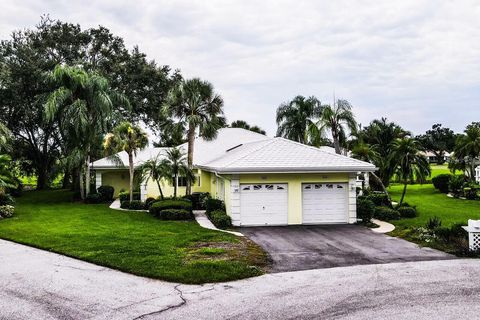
[(439, 169), (131, 241), (432, 203)]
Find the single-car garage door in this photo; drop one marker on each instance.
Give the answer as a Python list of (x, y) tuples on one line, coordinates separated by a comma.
[(325, 203), (263, 204)]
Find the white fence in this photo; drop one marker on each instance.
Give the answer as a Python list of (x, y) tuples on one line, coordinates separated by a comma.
[(473, 230)]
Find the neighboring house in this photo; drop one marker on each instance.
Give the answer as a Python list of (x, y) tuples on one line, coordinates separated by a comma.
[(477, 174), (263, 181), (433, 159)]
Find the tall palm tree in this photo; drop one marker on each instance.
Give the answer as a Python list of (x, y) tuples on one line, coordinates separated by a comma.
[(337, 120), (468, 148), (83, 104), (154, 169), (296, 120), (195, 103), (129, 138), (410, 164), (177, 166)]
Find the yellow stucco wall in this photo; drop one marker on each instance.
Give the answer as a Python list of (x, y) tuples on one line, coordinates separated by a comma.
[(118, 179), (202, 185), (294, 182)]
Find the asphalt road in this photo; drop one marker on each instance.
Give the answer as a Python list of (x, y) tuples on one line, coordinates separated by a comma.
[(40, 285), (295, 248)]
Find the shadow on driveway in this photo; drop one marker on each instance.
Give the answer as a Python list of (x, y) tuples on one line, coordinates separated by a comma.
[(295, 248)]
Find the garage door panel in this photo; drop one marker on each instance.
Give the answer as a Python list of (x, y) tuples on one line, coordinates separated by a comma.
[(325, 203), (263, 204)]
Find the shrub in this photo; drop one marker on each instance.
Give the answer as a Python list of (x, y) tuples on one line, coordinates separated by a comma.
[(456, 185), (433, 223), (6, 199), (174, 214), (18, 190), (220, 219), (214, 204), (379, 199), (132, 205), (125, 196), (149, 202), (198, 200), (161, 205), (6, 211), (407, 212), (106, 192), (441, 182), (386, 214), (365, 209), (93, 198)]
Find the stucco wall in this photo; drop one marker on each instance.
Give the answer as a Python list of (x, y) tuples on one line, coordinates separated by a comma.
[(118, 179), (294, 182), (202, 185)]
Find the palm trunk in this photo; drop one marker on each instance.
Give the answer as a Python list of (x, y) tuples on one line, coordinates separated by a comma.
[(130, 171), (403, 193), (80, 181), (379, 181), (160, 189), (175, 183), (87, 175), (336, 142), (191, 141)]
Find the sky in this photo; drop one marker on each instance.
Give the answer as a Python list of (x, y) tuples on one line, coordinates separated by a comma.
[(415, 62)]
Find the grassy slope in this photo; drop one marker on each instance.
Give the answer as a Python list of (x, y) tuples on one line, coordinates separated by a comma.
[(432, 203), (439, 169), (130, 241)]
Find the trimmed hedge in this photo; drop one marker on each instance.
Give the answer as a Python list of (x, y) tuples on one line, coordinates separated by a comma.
[(93, 198), (198, 200), (125, 196), (365, 209), (106, 192), (161, 205), (149, 202), (441, 182), (220, 219), (132, 205), (386, 214), (407, 212), (174, 214), (7, 211), (214, 204), (379, 199)]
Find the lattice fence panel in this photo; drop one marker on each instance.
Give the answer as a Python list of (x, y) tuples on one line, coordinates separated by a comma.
[(475, 241)]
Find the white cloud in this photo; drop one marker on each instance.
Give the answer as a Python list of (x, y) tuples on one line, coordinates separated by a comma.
[(416, 62)]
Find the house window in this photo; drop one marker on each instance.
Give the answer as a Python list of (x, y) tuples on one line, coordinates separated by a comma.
[(318, 186), (308, 187), (257, 187), (246, 188), (182, 182), (280, 188), (269, 187), (339, 186)]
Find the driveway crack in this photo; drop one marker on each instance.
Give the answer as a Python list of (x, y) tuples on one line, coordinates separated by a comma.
[(175, 306)]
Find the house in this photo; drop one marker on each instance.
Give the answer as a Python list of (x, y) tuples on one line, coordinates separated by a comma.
[(433, 159), (263, 181)]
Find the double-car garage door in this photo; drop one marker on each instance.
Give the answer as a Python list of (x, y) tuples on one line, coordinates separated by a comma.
[(267, 204)]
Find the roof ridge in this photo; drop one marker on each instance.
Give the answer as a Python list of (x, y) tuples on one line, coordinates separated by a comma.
[(261, 142), (318, 149)]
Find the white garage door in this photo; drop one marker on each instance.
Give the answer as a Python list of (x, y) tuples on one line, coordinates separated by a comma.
[(325, 203), (263, 204)]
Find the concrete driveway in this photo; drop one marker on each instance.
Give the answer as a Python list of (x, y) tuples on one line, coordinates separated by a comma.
[(295, 248), (36, 284)]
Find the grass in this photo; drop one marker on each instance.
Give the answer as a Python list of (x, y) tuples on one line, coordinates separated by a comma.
[(438, 169), (431, 203), (131, 241)]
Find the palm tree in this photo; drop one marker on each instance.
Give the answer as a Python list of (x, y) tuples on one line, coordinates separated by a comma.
[(468, 147), (296, 120), (244, 125), (154, 169), (337, 119), (177, 166), (84, 106), (129, 138), (410, 164), (195, 103)]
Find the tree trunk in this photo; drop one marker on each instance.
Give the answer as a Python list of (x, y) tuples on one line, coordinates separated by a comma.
[(191, 141), (379, 181), (403, 193), (87, 175), (175, 183), (130, 171), (336, 142), (66, 180), (41, 178), (80, 179), (160, 189)]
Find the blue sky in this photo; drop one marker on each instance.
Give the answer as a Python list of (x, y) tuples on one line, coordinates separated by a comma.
[(415, 62)]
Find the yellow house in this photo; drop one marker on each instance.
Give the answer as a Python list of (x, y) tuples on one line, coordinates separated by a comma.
[(263, 181)]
